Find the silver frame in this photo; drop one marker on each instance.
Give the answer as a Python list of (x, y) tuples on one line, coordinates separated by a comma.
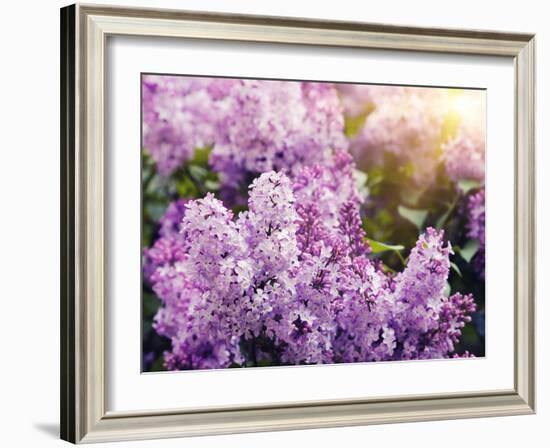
[(84, 30)]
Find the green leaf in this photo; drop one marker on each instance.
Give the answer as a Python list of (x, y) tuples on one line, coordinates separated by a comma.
[(238, 209), (352, 125), (456, 269), (447, 290), (198, 172), (185, 187), (264, 363), (407, 169), (211, 185), (158, 365), (151, 305), (443, 219), (411, 195), (146, 159), (201, 156), (470, 335), (415, 216), (155, 210), (466, 185), (147, 234), (469, 250), (361, 179), (153, 183), (386, 268), (147, 327), (378, 247), (375, 176)]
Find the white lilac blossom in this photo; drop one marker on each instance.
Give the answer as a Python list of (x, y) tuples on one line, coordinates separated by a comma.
[(407, 123), (253, 126), (475, 228), (290, 281)]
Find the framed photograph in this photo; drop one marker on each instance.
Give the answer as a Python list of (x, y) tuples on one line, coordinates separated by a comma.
[(277, 223)]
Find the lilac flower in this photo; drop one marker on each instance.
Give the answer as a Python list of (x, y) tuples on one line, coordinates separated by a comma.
[(357, 99), (196, 290), (291, 287), (403, 317), (419, 294), (164, 252), (454, 313), (171, 220), (167, 249), (327, 187), (464, 152), (464, 157), (364, 313), (407, 123), (179, 115), (475, 228), (253, 126), (276, 125), (269, 228)]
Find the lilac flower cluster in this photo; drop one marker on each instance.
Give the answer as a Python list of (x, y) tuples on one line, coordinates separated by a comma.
[(464, 156), (179, 115), (475, 228), (431, 323), (464, 152), (277, 125), (253, 125), (407, 123), (357, 99), (168, 248), (290, 281)]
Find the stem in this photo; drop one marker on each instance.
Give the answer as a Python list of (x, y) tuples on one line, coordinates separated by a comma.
[(403, 261), (448, 212)]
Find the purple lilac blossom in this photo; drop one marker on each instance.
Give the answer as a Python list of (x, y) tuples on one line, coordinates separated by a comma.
[(290, 281), (358, 98), (407, 123), (430, 322), (276, 125), (179, 115), (197, 292), (253, 126), (171, 220), (168, 248), (464, 152), (327, 187), (464, 156), (475, 228)]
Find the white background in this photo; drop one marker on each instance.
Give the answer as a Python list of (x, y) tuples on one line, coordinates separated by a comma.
[(29, 222)]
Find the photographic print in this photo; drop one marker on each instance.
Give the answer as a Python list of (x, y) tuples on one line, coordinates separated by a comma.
[(302, 223)]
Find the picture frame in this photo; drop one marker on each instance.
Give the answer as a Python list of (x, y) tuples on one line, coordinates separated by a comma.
[(84, 415)]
